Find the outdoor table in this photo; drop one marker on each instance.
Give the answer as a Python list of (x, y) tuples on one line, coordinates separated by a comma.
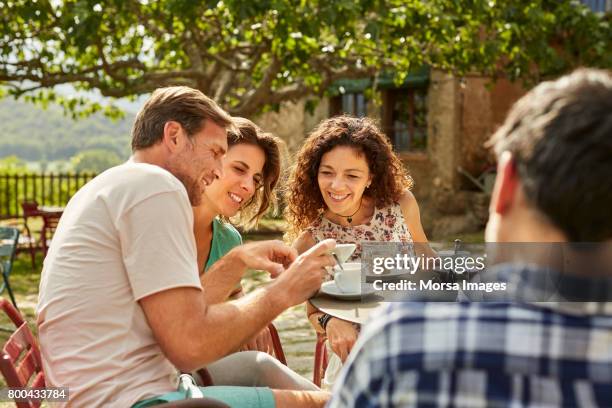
[(51, 216), (356, 311), (51, 210)]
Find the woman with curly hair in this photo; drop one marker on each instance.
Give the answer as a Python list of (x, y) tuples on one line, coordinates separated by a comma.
[(349, 185), (251, 170)]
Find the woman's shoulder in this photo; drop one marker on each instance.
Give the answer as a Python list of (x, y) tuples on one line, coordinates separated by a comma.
[(411, 213), (405, 207), (407, 202), (407, 198)]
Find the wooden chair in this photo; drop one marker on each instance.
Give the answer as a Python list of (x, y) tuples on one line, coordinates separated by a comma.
[(21, 364), (9, 239), (30, 209), (11, 312), (20, 361)]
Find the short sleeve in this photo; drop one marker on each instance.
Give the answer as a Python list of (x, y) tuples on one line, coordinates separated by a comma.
[(158, 245)]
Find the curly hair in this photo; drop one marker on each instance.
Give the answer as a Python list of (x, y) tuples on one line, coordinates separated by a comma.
[(390, 178), (246, 132)]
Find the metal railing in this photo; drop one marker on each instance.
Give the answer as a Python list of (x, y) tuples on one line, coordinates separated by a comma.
[(52, 189)]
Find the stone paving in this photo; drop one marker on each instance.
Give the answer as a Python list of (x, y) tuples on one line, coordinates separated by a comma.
[(298, 338)]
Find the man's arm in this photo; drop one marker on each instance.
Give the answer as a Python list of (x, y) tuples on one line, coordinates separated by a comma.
[(193, 333)]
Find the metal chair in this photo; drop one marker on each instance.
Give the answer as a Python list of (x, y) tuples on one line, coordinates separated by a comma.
[(11, 312), (20, 361), (9, 239), (206, 379), (320, 359), (276, 343)]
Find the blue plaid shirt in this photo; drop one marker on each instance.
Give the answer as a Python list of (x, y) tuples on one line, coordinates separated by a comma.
[(481, 355)]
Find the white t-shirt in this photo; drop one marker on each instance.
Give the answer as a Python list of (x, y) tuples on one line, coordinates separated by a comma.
[(125, 235)]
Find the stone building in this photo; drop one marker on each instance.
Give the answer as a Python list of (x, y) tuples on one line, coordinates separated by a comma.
[(438, 125)]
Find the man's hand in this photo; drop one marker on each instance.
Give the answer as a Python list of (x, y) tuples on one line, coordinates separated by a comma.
[(271, 256), (305, 275), (261, 342)]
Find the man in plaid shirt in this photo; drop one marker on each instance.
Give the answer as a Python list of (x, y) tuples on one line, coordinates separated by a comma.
[(554, 184)]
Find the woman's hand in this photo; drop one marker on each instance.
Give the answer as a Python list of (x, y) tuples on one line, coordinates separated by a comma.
[(341, 336), (261, 342), (271, 256)]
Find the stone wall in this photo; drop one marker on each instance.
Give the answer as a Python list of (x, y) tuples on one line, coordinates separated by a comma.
[(463, 114), (484, 106), (292, 123)]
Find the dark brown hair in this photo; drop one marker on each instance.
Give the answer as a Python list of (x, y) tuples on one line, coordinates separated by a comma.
[(389, 176), (560, 137), (246, 132), (187, 106)]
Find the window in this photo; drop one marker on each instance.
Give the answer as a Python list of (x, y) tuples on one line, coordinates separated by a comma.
[(403, 114), (598, 5), (354, 104), (404, 118)]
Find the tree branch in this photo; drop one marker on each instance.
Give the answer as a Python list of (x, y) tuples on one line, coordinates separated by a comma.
[(253, 99)]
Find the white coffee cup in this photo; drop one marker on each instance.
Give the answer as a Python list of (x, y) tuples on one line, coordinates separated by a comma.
[(349, 279), (343, 251)]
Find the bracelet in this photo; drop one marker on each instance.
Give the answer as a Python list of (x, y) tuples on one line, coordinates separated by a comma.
[(324, 319)]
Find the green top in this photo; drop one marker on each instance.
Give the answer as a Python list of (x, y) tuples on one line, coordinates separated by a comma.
[(224, 238)]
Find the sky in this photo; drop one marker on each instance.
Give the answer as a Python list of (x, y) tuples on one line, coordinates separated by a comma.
[(95, 95)]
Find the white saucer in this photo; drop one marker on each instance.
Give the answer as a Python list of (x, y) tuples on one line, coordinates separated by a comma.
[(396, 272), (330, 288)]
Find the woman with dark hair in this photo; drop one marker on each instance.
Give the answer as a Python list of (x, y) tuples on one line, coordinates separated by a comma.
[(349, 185), (251, 169)]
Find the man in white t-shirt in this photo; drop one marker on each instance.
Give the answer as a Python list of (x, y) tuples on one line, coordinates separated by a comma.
[(121, 304)]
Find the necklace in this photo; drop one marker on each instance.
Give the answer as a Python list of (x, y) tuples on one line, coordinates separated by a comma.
[(349, 218)]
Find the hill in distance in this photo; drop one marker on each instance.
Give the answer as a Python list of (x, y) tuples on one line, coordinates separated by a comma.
[(36, 134)]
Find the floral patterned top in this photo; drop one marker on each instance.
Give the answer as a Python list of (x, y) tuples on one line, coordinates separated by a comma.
[(387, 224)]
